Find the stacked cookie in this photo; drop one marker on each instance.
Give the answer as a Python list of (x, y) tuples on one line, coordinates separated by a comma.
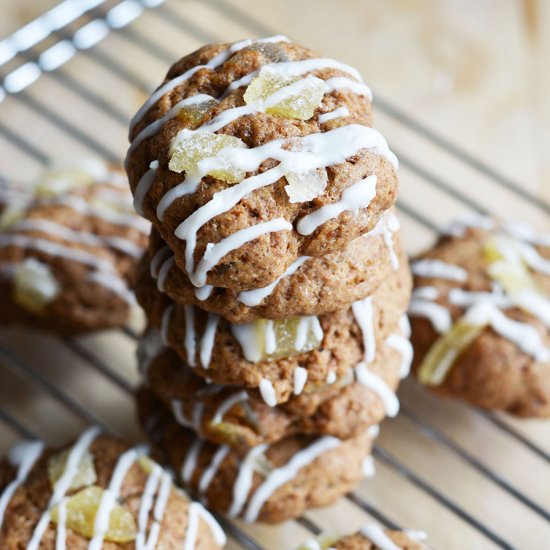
[(274, 284)]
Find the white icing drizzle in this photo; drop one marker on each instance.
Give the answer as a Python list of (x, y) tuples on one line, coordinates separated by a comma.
[(298, 68), (316, 151), (404, 347), (437, 269), (524, 232), (144, 185), (477, 221), (196, 421), (465, 298), (114, 283), (336, 113), (190, 463), (63, 484), (437, 314), (54, 249), (215, 62), (331, 377), (160, 256), (533, 259), (425, 293), (376, 534), (363, 312), (165, 268), (24, 457), (283, 474), (251, 345), (150, 345), (215, 252), (255, 297), (270, 338), (375, 383), (538, 306), (190, 336), (165, 323), (243, 483), (52, 228), (208, 339), (204, 292), (524, 336), (226, 405), (391, 225), (405, 325), (61, 532), (267, 392), (368, 467), (343, 83), (109, 498), (145, 506), (197, 512), (356, 196), (89, 207), (373, 431), (300, 379), (210, 472)]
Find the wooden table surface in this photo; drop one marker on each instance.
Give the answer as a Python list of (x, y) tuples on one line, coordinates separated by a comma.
[(461, 93)]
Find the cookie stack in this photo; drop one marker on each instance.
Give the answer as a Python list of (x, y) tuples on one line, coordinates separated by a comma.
[(274, 284)]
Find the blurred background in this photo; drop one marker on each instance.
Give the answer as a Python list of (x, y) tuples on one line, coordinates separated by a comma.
[(475, 70)]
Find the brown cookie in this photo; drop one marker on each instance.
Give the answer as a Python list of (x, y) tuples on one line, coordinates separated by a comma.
[(69, 251), (480, 317), (54, 497), (277, 180), (370, 537), (238, 354), (269, 483), (234, 416), (312, 286)]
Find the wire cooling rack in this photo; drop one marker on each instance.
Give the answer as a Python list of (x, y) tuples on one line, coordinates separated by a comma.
[(70, 80)]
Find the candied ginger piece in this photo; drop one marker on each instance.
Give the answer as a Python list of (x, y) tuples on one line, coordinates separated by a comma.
[(186, 154), (445, 350), (82, 509), (306, 186), (65, 177), (506, 265), (269, 50), (193, 115), (267, 340), (85, 475), (11, 215), (34, 285), (285, 96)]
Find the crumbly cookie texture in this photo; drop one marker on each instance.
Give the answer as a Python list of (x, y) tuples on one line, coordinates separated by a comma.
[(311, 286), (97, 493), (370, 537), (480, 316), (264, 354), (69, 247), (269, 483), (242, 170), (230, 415)]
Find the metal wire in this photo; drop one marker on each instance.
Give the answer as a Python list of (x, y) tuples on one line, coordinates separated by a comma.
[(112, 64)]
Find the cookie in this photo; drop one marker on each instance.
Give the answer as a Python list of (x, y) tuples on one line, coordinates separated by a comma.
[(265, 354), (268, 483), (234, 416), (97, 493), (480, 317), (370, 537), (69, 247), (311, 286), (253, 154)]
